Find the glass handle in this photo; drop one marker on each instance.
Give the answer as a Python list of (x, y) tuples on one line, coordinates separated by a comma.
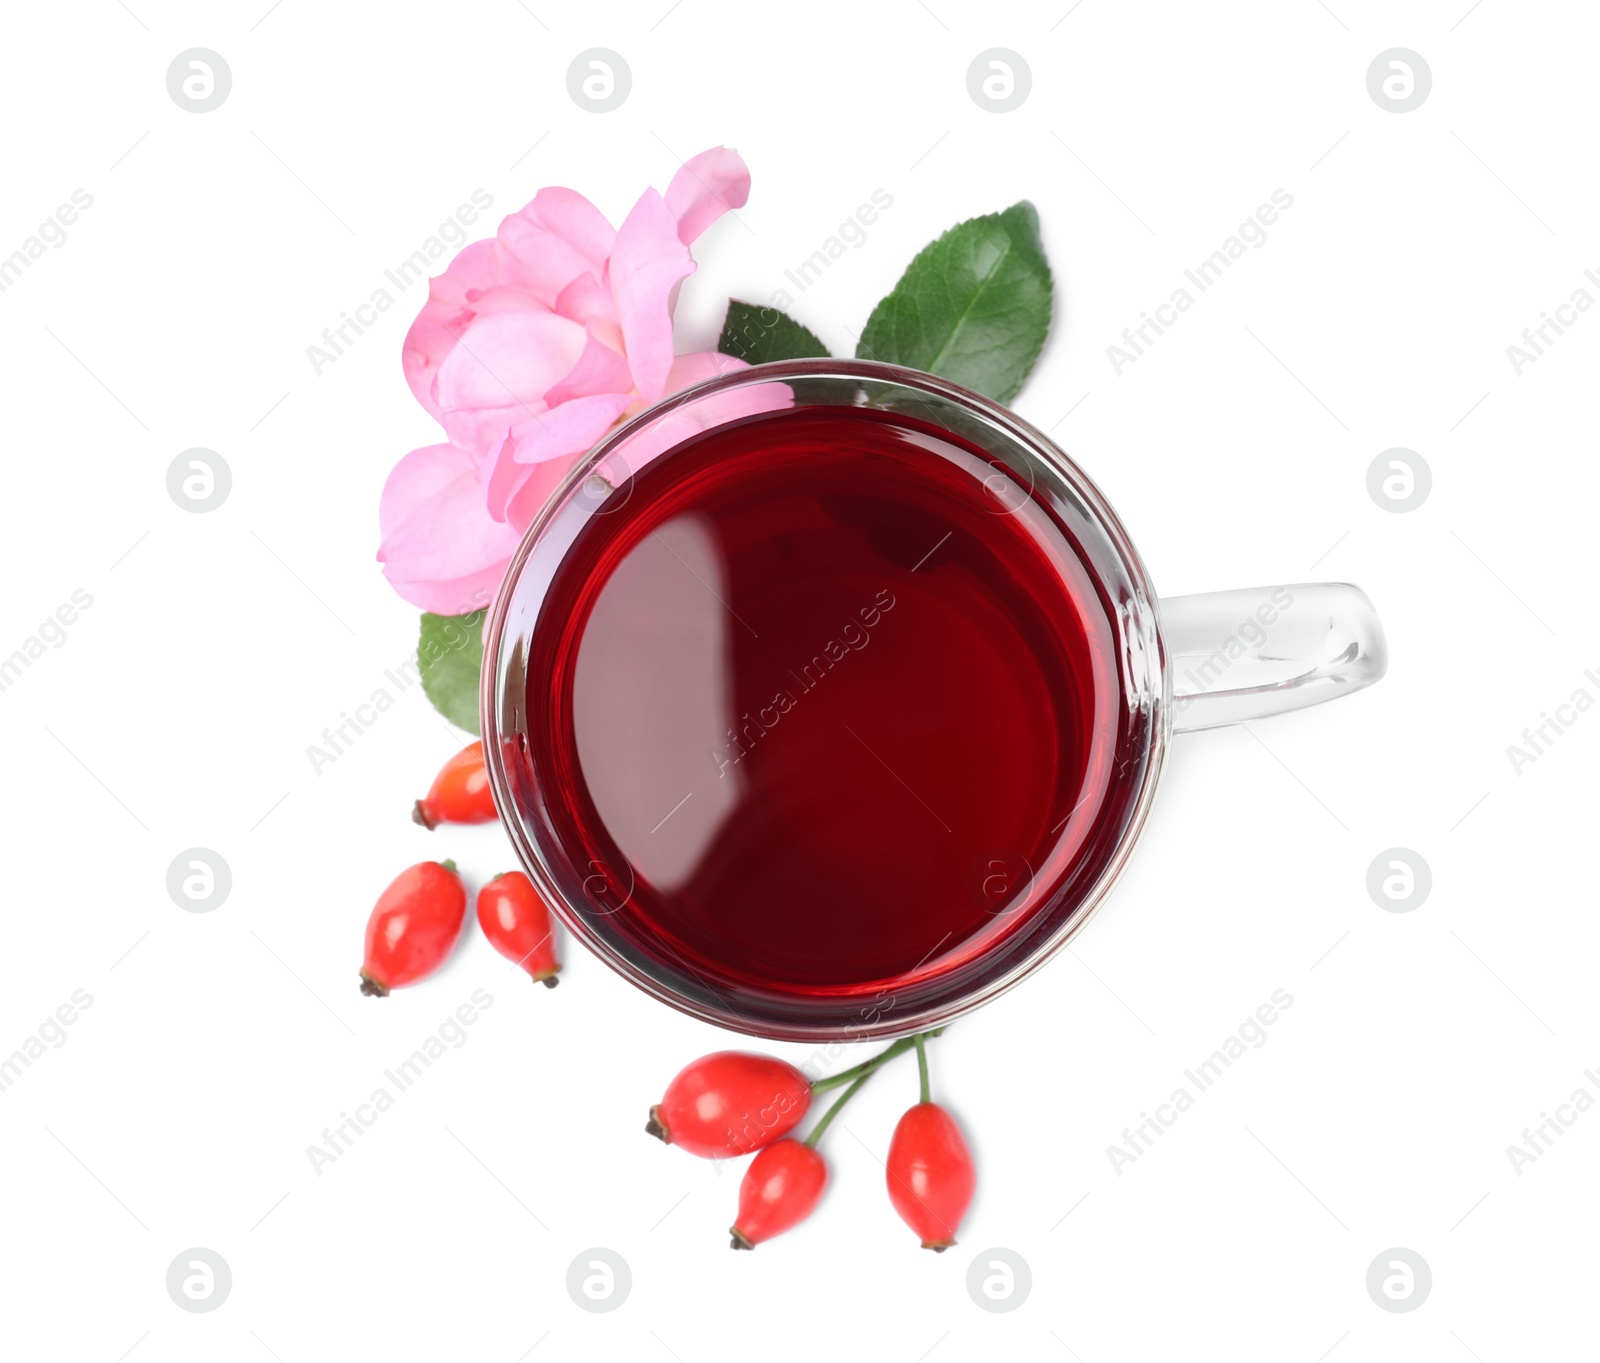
[(1259, 651)]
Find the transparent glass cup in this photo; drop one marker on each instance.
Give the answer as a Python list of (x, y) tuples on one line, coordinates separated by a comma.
[(1187, 662)]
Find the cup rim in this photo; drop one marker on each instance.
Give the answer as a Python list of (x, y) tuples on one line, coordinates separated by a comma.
[(1157, 701)]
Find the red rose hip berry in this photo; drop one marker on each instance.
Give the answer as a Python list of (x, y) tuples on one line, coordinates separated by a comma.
[(517, 923), (730, 1103), (414, 925), (460, 792), (930, 1174), (780, 1189)]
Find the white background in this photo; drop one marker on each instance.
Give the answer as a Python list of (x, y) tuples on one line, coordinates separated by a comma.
[(218, 647)]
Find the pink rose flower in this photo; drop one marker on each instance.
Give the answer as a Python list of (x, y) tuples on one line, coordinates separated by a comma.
[(531, 346)]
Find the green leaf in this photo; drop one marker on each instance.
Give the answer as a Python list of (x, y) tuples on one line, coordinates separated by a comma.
[(973, 307), (450, 655), (757, 335)]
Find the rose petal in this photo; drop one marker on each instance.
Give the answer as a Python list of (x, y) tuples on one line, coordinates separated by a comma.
[(439, 548), (662, 434), (498, 298), (705, 187), (700, 365), (572, 428), (554, 239), (557, 433), (499, 476), (749, 399), (598, 370), (500, 371), (433, 334), (542, 480), (589, 301), (646, 264)]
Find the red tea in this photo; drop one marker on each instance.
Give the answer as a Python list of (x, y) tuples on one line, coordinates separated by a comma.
[(825, 704)]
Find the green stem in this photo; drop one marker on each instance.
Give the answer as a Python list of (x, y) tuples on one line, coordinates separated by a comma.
[(844, 1077), (900, 1047), (828, 1116), (857, 1075)]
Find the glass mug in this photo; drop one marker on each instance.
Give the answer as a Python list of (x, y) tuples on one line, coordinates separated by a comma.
[(797, 763)]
